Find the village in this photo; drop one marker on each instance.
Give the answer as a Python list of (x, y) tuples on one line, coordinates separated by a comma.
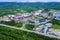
[(38, 21)]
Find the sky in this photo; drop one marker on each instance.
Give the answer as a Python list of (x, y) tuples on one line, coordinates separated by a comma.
[(29, 0)]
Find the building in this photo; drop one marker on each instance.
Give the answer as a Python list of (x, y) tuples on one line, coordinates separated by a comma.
[(39, 11), (5, 18), (56, 15), (0, 19), (35, 13)]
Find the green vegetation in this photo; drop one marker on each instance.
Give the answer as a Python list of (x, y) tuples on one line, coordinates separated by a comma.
[(29, 26), (56, 23), (14, 34), (56, 26), (19, 24), (12, 23), (12, 8)]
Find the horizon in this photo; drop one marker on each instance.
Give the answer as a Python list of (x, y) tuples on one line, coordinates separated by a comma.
[(36, 2), (29, 0)]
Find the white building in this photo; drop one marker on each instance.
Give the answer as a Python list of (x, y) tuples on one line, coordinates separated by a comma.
[(56, 15), (5, 18), (35, 13), (40, 11), (44, 15)]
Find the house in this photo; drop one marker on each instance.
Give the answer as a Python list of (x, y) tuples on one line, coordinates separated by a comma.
[(56, 15)]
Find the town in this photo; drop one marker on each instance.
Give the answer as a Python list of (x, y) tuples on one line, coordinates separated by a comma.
[(38, 21)]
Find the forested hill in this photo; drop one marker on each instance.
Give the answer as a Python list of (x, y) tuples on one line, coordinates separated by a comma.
[(30, 3), (55, 5), (15, 7)]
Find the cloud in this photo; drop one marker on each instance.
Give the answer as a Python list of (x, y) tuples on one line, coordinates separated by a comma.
[(29, 0)]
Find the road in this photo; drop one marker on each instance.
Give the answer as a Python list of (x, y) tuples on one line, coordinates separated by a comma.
[(51, 36)]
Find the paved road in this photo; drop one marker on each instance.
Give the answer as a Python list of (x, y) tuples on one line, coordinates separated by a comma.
[(51, 36)]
